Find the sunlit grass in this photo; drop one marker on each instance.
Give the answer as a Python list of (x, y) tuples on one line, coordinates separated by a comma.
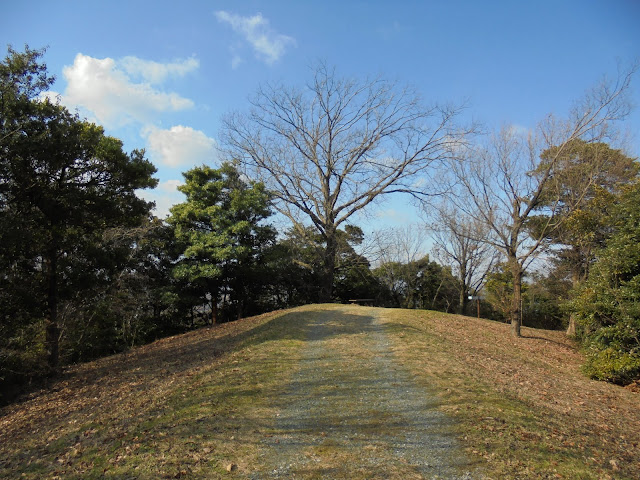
[(499, 390), (197, 405)]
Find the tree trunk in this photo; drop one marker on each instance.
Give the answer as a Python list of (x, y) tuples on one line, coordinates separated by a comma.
[(462, 306), (516, 301), (571, 329), (329, 267), (214, 308), (464, 290), (52, 337), (435, 297)]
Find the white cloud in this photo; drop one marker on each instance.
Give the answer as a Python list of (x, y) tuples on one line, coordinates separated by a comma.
[(165, 196), (268, 45), (170, 186), (53, 97), (180, 146), (155, 72), (104, 88)]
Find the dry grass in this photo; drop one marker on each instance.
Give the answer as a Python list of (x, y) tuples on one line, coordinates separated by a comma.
[(192, 405), (185, 406), (522, 404), (352, 412)]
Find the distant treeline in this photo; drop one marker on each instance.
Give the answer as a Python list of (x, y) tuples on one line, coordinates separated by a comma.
[(86, 270)]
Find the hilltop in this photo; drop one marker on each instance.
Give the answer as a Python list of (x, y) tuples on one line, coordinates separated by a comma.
[(231, 401)]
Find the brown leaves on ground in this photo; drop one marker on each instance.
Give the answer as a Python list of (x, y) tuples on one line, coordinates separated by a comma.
[(524, 408), (99, 406), (559, 415)]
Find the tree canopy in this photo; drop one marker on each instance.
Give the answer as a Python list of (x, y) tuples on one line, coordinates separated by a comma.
[(64, 184), (86, 270), (607, 305), (506, 181), (219, 228), (583, 188), (333, 148)]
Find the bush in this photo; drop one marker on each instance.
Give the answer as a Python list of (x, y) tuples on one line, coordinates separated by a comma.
[(607, 305), (22, 358), (612, 365)]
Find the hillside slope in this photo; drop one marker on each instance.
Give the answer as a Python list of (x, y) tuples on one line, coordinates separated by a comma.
[(211, 403)]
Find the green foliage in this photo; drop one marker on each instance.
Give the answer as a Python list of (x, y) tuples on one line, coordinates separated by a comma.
[(353, 278), (421, 284), (64, 186), (607, 305), (612, 363), (297, 267), (136, 303), (499, 291), (540, 303), (221, 237), (583, 188), (86, 270)]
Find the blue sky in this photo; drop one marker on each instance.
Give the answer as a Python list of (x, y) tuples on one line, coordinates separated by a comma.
[(159, 75)]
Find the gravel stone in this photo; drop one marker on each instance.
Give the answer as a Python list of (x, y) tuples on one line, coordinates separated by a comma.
[(352, 410)]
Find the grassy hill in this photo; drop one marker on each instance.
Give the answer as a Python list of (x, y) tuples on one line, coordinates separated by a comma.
[(198, 405)]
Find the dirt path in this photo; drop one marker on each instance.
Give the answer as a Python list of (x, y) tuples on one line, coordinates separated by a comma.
[(353, 411), (321, 391)]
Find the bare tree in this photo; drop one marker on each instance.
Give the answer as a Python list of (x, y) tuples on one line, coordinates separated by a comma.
[(333, 148), (404, 268), (401, 245), (393, 249), (504, 182), (461, 241)]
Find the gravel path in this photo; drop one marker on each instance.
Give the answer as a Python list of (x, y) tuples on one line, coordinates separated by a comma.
[(352, 411)]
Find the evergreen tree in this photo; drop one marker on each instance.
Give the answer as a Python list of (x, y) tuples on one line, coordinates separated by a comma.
[(607, 305), (584, 184), (64, 184), (221, 236)]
